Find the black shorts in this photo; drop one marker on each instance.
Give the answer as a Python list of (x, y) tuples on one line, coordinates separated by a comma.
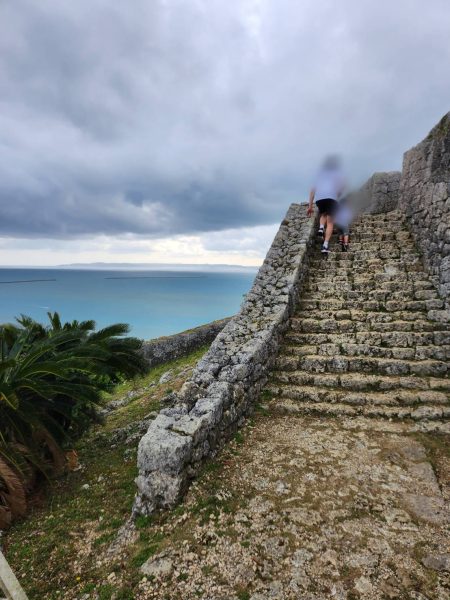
[(328, 206)]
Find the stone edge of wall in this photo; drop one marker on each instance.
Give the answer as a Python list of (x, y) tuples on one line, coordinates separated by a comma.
[(380, 193), (425, 200), (228, 379), (162, 349)]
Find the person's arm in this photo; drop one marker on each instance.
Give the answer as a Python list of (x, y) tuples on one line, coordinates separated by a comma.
[(310, 210)]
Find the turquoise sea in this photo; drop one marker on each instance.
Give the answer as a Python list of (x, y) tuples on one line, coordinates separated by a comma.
[(153, 303)]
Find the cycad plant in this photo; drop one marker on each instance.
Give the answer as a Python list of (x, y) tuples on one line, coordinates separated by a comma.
[(51, 379)]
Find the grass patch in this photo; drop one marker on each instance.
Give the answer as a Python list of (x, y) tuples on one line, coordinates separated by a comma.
[(148, 392), (140, 557), (57, 547), (266, 395), (124, 594), (105, 592), (206, 507), (239, 438), (242, 594), (143, 521)]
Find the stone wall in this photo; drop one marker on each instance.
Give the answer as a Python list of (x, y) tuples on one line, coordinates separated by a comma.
[(380, 193), (425, 199), (166, 348), (228, 379)]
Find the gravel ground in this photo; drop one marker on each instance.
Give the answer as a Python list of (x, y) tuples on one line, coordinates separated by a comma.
[(312, 509)]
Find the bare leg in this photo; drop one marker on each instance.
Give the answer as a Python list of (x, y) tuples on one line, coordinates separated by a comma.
[(329, 230), (346, 239), (323, 220)]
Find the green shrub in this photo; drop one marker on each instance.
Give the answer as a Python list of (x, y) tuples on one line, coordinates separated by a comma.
[(51, 380)]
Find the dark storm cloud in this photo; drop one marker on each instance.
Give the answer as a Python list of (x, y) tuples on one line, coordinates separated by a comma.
[(164, 117)]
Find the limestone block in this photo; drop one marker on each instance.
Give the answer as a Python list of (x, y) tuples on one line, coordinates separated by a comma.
[(161, 449)]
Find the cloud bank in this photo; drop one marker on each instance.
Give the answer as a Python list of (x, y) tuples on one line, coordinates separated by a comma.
[(164, 118)]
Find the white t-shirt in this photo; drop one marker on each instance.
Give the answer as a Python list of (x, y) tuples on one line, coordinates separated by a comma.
[(329, 184)]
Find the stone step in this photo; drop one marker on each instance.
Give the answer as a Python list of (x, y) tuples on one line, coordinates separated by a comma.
[(390, 339), (392, 216), (358, 315), (385, 234), (337, 288), (336, 255), (373, 235), (344, 349), (374, 241), (337, 285), (372, 245), (366, 291), (357, 364), (325, 409), (381, 227), (317, 302), (416, 280), (350, 259), (386, 216), (360, 381), (384, 227), (339, 259), (380, 301), (332, 271), (398, 397), (315, 325)]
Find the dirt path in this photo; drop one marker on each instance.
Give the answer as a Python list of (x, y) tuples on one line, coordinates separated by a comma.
[(312, 509)]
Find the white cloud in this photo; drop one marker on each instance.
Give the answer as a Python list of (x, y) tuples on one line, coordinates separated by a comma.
[(163, 119), (244, 246)]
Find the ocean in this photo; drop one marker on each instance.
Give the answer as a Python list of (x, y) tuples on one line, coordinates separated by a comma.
[(153, 303)]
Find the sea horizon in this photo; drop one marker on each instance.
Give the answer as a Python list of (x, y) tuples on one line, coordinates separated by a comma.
[(100, 266), (154, 302)]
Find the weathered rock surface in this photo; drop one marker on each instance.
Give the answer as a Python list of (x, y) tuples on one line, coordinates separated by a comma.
[(380, 193), (167, 348), (312, 509), (157, 566), (425, 199), (438, 562), (166, 377)]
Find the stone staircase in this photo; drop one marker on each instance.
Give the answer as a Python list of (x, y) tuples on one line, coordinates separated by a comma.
[(363, 340)]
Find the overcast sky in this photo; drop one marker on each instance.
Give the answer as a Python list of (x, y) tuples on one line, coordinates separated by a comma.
[(180, 130)]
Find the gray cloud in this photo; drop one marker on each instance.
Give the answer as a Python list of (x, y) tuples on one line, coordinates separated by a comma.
[(167, 116)]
